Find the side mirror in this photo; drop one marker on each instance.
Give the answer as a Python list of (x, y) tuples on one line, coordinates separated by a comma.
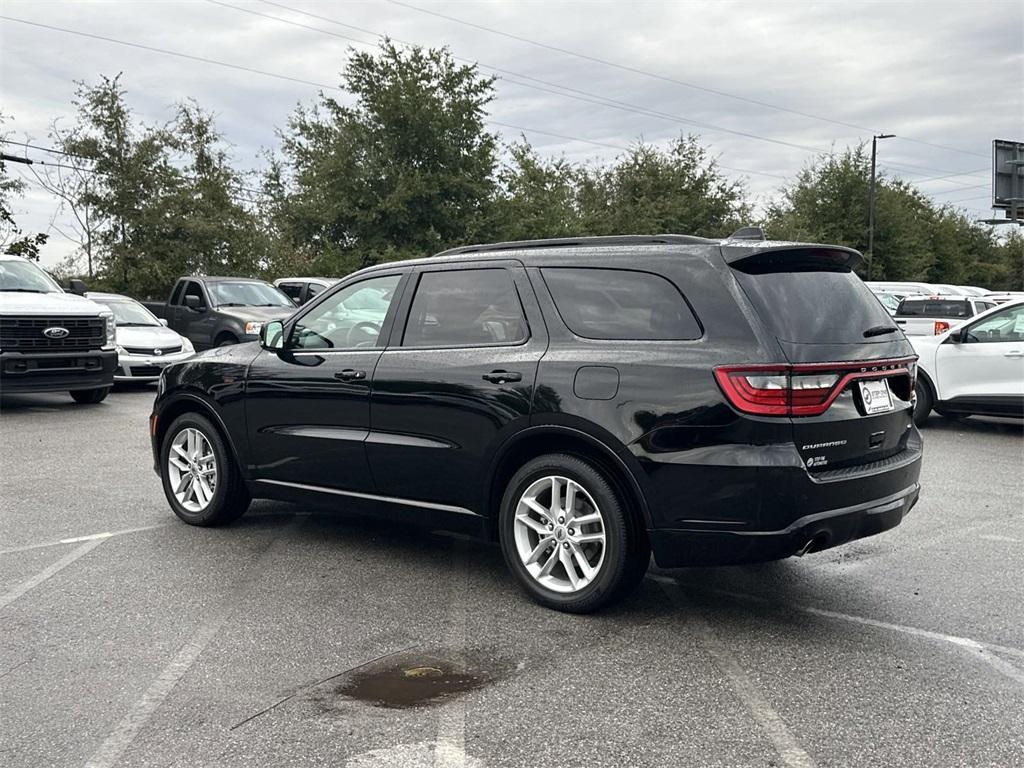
[(163, 321), (194, 303), (76, 287), (272, 335)]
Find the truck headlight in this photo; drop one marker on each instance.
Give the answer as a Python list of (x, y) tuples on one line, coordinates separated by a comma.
[(111, 329), (253, 328)]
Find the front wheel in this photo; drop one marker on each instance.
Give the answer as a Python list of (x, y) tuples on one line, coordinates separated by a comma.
[(90, 396), (200, 478), (566, 536)]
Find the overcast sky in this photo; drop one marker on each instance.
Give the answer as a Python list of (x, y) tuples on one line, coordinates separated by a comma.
[(947, 74)]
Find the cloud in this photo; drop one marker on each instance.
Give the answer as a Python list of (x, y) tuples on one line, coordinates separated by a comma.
[(946, 74)]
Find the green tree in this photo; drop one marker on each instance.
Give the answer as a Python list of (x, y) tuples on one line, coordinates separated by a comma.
[(648, 190), (537, 197), (404, 171)]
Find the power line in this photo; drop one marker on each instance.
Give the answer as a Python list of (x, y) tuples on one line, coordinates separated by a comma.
[(46, 164), (43, 149), (646, 73), (564, 91), (965, 199), (167, 52)]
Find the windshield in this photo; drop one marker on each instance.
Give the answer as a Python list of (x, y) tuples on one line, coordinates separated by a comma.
[(247, 294), (129, 313), (25, 277)]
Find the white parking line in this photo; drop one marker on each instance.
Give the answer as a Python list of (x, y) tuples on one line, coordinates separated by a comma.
[(771, 722), (13, 594), (982, 650), (451, 725), (76, 539), (118, 742)]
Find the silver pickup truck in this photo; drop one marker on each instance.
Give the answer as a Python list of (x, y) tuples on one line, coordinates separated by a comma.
[(932, 315)]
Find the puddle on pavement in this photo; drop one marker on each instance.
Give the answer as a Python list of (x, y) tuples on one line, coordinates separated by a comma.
[(417, 680)]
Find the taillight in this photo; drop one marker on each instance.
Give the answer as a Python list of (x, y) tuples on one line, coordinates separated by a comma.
[(941, 326), (801, 390)]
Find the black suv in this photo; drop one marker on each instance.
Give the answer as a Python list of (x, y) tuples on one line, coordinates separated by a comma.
[(582, 401)]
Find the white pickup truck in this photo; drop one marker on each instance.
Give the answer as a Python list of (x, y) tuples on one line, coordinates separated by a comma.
[(52, 341), (932, 315)]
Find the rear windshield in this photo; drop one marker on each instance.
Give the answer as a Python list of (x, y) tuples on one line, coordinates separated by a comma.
[(812, 302), (933, 308)]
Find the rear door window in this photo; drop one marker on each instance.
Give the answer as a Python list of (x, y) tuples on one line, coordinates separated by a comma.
[(465, 308), (292, 290), (811, 301), (942, 308), (620, 304)]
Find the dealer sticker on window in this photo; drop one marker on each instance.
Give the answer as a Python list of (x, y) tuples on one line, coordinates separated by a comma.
[(876, 396)]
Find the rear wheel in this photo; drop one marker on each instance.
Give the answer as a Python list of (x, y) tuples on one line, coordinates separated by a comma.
[(90, 396), (200, 478), (566, 536), (923, 407)]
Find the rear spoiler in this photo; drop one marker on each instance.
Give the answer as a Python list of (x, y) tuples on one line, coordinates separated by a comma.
[(757, 252)]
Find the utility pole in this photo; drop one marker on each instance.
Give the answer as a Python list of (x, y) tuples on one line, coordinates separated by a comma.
[(871, 201)]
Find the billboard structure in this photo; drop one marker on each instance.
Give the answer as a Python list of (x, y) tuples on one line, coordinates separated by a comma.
[(1008, 180)]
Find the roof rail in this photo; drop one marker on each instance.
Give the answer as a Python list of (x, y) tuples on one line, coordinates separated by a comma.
[(580, 242), (747, 233)]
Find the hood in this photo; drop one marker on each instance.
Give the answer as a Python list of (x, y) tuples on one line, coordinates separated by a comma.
[(257, 313), (151, 336), (12, 303)]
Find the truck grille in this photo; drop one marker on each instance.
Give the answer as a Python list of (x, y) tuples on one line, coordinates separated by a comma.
[(25, 334)]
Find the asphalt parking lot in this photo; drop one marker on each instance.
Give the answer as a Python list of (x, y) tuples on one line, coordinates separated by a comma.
[(296, 637)]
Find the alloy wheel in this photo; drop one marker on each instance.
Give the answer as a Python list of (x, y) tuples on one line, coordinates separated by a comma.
[(559, 534), (192, 469)]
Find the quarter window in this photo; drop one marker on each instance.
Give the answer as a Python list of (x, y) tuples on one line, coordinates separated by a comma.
[(351, 318), (468, 307), (620, 304)]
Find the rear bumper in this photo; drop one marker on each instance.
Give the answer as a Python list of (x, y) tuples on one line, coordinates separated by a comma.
[(782, 510), (61, 372), (811, 533)]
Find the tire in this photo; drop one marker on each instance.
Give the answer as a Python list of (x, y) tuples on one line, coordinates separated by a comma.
[(90, 396), (201, 502), (617, 563), (226, 340), (923, 407)]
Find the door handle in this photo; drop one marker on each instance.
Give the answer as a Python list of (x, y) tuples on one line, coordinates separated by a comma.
[(501, 377), (350, 374), (1014, 353)]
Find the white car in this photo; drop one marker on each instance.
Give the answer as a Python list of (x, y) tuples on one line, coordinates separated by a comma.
[(976, 368), (144, 342)]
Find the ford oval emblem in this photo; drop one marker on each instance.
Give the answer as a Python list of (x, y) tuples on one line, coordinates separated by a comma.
[(56, 332)]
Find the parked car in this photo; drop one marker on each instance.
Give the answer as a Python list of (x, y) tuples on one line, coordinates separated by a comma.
[(144, 342), (1004, 296), (891, 301), (974, 369), (52, 341), (970, 290), (902, 288), (217, 311), (931, 315), (583, 401), (302, 289)]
